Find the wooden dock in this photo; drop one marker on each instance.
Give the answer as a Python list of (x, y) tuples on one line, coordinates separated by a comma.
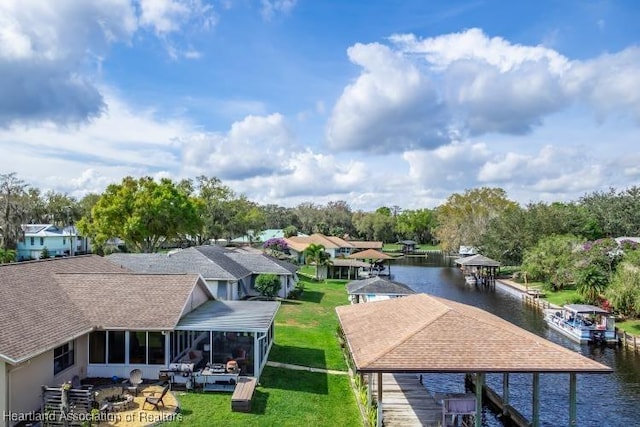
[(406, 402)]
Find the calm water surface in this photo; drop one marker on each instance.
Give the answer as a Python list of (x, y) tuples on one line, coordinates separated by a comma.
[(603, 399)]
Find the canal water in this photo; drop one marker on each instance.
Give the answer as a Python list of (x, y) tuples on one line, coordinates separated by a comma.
[(603, 399)]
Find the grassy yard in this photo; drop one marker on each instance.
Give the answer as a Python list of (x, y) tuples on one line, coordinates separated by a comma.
[(306, 328), (565, 296), (631, 326), (305, 335)]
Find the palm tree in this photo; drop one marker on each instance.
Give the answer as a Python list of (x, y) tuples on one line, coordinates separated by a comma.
[(315, 254), (591, 283)]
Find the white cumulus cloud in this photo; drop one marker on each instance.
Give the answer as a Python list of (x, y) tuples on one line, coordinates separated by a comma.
[(391, 106)]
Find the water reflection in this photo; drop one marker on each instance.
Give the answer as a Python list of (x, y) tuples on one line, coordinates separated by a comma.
[(603, 400)]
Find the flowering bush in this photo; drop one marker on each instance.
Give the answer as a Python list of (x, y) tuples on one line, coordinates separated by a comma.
[(276, 244)]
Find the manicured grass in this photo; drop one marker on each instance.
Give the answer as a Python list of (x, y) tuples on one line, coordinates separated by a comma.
[(283, 398), (566, 296), (631, 326), (305, 334), (306, 328)]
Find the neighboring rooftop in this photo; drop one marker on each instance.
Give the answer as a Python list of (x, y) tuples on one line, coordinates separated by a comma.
[(379, 286), (249, 316)]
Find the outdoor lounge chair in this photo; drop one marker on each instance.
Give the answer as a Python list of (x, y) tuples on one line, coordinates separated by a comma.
[(156, 401), (133, 383)]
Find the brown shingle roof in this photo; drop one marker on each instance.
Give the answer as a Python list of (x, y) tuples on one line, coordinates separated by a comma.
[(34, 313), (422, 333), (42, 306), (129, 300), (300, 243), (369, 254)]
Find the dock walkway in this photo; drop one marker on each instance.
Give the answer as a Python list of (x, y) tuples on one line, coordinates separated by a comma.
[(406, 402)]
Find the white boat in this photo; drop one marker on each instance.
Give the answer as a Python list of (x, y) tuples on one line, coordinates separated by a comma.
[(470, 279), (583, 323)]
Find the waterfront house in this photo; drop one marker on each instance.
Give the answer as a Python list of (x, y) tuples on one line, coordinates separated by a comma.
[(376, 289), (229, 274), (57, 241), (89, 317)]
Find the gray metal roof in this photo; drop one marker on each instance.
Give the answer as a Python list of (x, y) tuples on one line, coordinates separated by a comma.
[(231, 316), (378, 285), (478, 261)]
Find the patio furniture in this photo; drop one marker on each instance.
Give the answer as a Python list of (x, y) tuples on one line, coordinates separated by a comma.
[(133, 383), (155, 401)]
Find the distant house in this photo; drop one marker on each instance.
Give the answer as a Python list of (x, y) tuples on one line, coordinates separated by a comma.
[(261, 237), (58, 241), (336, 247), (89, 317), (229, 274), (376, 289), (467, 251)]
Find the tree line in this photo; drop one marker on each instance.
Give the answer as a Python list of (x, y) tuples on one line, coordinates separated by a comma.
[(148, 213)]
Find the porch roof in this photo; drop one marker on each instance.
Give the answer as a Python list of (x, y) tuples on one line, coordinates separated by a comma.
[(231, 316)]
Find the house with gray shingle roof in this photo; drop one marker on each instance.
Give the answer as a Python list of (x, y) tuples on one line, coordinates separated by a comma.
[(376, 289), (90, 317), (229, 274)]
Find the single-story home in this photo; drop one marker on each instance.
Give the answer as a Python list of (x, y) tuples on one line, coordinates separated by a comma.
[(229, 274), (336, 247), (376, 289), (89, 317)]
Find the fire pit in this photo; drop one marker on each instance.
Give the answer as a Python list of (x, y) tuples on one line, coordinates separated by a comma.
[(113, 400)]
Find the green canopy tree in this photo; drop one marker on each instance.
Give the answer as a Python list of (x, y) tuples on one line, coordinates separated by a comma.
[(13, 211), (552, 261), (463, 218), (315, 254), (143, 213)]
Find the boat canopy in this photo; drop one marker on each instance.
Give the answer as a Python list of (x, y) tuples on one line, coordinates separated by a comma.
[(585, 308)]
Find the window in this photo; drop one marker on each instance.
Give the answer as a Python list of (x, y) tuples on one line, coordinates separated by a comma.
[(42, 241), (97, 347), (33, 241), (63, 357), (116, 347), (64, 241), (137, 347), (156, 348)]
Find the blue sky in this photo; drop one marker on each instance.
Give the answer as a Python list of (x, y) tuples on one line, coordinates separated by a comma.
[(372, 102)]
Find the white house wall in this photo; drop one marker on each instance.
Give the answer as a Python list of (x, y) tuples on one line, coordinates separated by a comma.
[(25, 380), (4, 392)]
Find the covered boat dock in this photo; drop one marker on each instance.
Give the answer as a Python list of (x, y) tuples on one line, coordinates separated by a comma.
[(426, 334)]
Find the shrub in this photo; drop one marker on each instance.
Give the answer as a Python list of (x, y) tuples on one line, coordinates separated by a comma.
[(268, 285)]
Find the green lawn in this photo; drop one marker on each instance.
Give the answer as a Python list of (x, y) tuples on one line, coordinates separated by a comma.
[(305, 334), (631, 326), (284, 398), (306, 328), (565, 296)]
